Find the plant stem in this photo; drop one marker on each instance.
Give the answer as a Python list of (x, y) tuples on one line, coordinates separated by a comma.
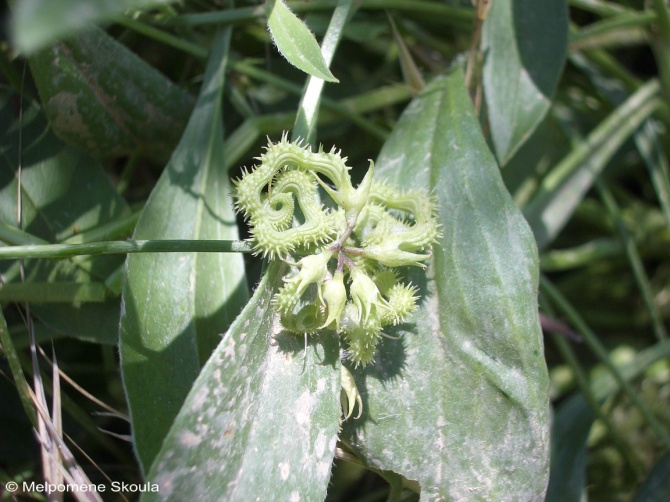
[(163, 36), (438, 12), (599, 7), (612, 26), (661, 44), (308, 110), (124, 247), (12, 358)]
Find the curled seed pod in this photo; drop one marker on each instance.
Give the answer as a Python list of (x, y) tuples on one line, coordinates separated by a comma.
[(305, 318), (416, 231), (362, 343), (287, 298), (267, 196)]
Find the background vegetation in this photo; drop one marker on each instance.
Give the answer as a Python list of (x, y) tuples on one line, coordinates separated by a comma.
[(122, 138)]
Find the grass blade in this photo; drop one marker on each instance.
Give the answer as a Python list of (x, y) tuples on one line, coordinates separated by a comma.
[(563, 188), (308, 110)]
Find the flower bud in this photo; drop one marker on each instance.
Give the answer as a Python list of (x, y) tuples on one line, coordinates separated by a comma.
[(366, 296), (351, 199), (350, 396), (335, 296), (313, 269), (388, 254)]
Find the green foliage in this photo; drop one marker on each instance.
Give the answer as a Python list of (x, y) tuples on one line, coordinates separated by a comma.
[(295, 42), (57, 204), (176, 306), (39, 22), (370, 228), (320, 365), (470, 369), (261, 419), (103, 98), (525, 59)]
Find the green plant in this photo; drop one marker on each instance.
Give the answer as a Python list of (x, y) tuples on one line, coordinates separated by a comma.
[(372, 228), (124, 139)]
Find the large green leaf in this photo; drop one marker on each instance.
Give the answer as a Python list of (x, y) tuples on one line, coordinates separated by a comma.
[(63, 192), (460, 403), (261, 420), (104, 98), (177, 305), (36, 23), (524, 46)]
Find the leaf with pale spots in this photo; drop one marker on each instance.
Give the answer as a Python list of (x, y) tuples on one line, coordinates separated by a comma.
[(261, 421)]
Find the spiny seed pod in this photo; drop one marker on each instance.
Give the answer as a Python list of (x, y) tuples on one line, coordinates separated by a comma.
[(402, 299)]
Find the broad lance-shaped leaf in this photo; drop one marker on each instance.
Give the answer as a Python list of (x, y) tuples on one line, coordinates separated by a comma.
[(64, 192), (460, 404), (295, 42), (261, 420), (524, 43), (105, 99), (38, 22), (177, 305)]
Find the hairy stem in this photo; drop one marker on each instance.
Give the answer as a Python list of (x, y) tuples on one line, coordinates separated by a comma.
[(124, 247)]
